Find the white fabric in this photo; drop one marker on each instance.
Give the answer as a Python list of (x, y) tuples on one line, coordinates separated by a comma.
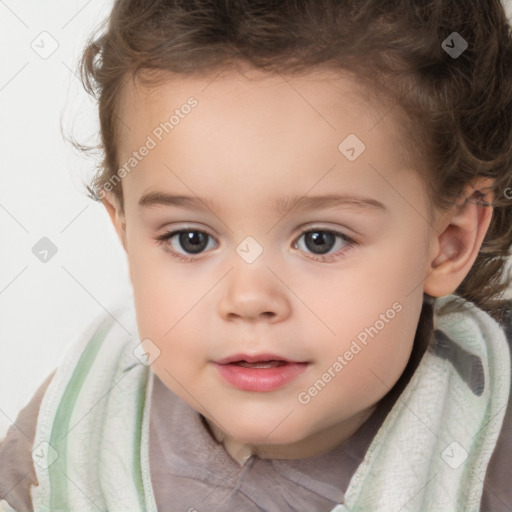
[(414, 463)]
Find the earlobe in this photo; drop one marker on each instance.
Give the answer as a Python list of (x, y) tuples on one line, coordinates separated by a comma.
[(459, 239), (116, 216)]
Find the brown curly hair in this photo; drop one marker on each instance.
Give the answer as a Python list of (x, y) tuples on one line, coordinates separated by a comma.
[(458, 110)]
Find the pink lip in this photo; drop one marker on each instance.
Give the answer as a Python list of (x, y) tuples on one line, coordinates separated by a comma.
[(259, 379), (254, 358)]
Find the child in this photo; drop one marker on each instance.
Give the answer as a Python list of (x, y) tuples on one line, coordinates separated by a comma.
[(255, 369)]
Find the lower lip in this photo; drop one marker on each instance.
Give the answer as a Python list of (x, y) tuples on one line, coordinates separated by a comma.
[(260, 379)]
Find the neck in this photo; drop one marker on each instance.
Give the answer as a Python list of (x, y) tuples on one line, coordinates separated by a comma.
[(315, 444)]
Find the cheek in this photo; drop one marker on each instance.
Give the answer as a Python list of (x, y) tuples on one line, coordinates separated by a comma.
[(373, 316), (157, 279), (163, 298), (348, 303), (370, 368), (380, 339), (389, 341)]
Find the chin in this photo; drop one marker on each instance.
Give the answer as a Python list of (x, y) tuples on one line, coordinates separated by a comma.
[(266, 432)]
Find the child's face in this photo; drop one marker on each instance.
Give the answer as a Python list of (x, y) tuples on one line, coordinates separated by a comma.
[(347, 310)]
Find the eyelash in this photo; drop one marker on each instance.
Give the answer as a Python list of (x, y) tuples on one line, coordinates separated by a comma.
[(350, 244), (164, 240)]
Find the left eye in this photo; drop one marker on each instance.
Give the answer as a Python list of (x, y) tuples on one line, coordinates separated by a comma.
[(321, 241)]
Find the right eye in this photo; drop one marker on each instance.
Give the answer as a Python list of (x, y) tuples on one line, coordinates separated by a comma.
[(192, 241)]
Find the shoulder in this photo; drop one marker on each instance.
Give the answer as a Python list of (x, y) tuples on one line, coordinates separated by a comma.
[(16, 465), (17, 471), (497, 491), (479, 350), (106, 343)]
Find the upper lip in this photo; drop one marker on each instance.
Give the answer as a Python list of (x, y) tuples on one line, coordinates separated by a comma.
[(255, 358)]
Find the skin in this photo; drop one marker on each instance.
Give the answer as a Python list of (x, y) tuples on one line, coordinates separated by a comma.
[(251, 140)]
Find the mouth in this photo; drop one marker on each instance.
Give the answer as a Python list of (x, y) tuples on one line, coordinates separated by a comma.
[(251, 361), (260, 364), (260, 372)]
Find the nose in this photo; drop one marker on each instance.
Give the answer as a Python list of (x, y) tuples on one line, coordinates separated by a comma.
[(253, 293)]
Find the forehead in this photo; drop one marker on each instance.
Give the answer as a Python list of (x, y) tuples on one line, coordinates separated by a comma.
[(264, 131), (328, 99)]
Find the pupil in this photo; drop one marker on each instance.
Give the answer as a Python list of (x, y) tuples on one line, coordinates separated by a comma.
[(320, 241), (193, 241)]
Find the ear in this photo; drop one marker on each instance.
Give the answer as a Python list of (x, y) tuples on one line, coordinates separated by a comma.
[(458, 236), (116, 216)]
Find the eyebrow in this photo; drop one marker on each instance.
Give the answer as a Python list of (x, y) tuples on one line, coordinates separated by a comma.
[(281, 205)]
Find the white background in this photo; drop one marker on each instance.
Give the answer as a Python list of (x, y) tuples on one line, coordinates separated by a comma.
[(43, 305)]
